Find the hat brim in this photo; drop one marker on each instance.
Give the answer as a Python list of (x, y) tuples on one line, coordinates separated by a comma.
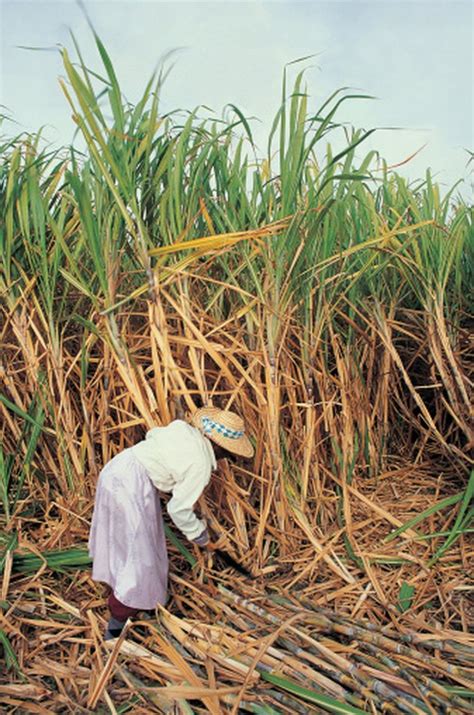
[(241, 446)]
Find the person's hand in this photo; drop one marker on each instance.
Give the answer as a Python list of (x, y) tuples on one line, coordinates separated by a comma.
[(203, 539)]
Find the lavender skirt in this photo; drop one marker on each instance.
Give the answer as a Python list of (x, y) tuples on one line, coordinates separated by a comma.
[(127, 541)]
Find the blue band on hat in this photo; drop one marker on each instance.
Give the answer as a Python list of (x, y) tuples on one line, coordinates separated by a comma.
[(209, 425)]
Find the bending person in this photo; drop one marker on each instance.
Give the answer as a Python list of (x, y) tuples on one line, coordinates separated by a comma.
[(127, 540)]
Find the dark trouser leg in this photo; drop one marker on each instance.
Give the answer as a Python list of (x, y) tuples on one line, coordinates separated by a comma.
[(120, 612)]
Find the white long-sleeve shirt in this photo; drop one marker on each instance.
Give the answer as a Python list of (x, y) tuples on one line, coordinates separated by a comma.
[(178, 459)]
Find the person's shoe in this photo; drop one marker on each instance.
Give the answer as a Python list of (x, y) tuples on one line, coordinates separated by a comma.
[(147, 615), (114, 628)]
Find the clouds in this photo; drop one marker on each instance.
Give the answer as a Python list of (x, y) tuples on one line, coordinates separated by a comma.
[(417, 61), (415, 56)]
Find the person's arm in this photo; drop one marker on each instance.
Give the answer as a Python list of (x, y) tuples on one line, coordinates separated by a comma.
[(180, 506)]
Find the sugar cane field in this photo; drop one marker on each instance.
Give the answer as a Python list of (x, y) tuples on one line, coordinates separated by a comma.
[(165, 266)]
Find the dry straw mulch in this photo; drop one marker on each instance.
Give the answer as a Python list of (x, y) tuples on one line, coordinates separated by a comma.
[(227, 643)]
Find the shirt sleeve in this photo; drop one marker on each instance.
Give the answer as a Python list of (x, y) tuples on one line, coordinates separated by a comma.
[(185, 494)]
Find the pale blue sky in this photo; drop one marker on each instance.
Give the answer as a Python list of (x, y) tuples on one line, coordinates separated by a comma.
[(416, 56)]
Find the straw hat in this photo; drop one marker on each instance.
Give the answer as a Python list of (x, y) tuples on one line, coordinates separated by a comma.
[(224, 428)]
